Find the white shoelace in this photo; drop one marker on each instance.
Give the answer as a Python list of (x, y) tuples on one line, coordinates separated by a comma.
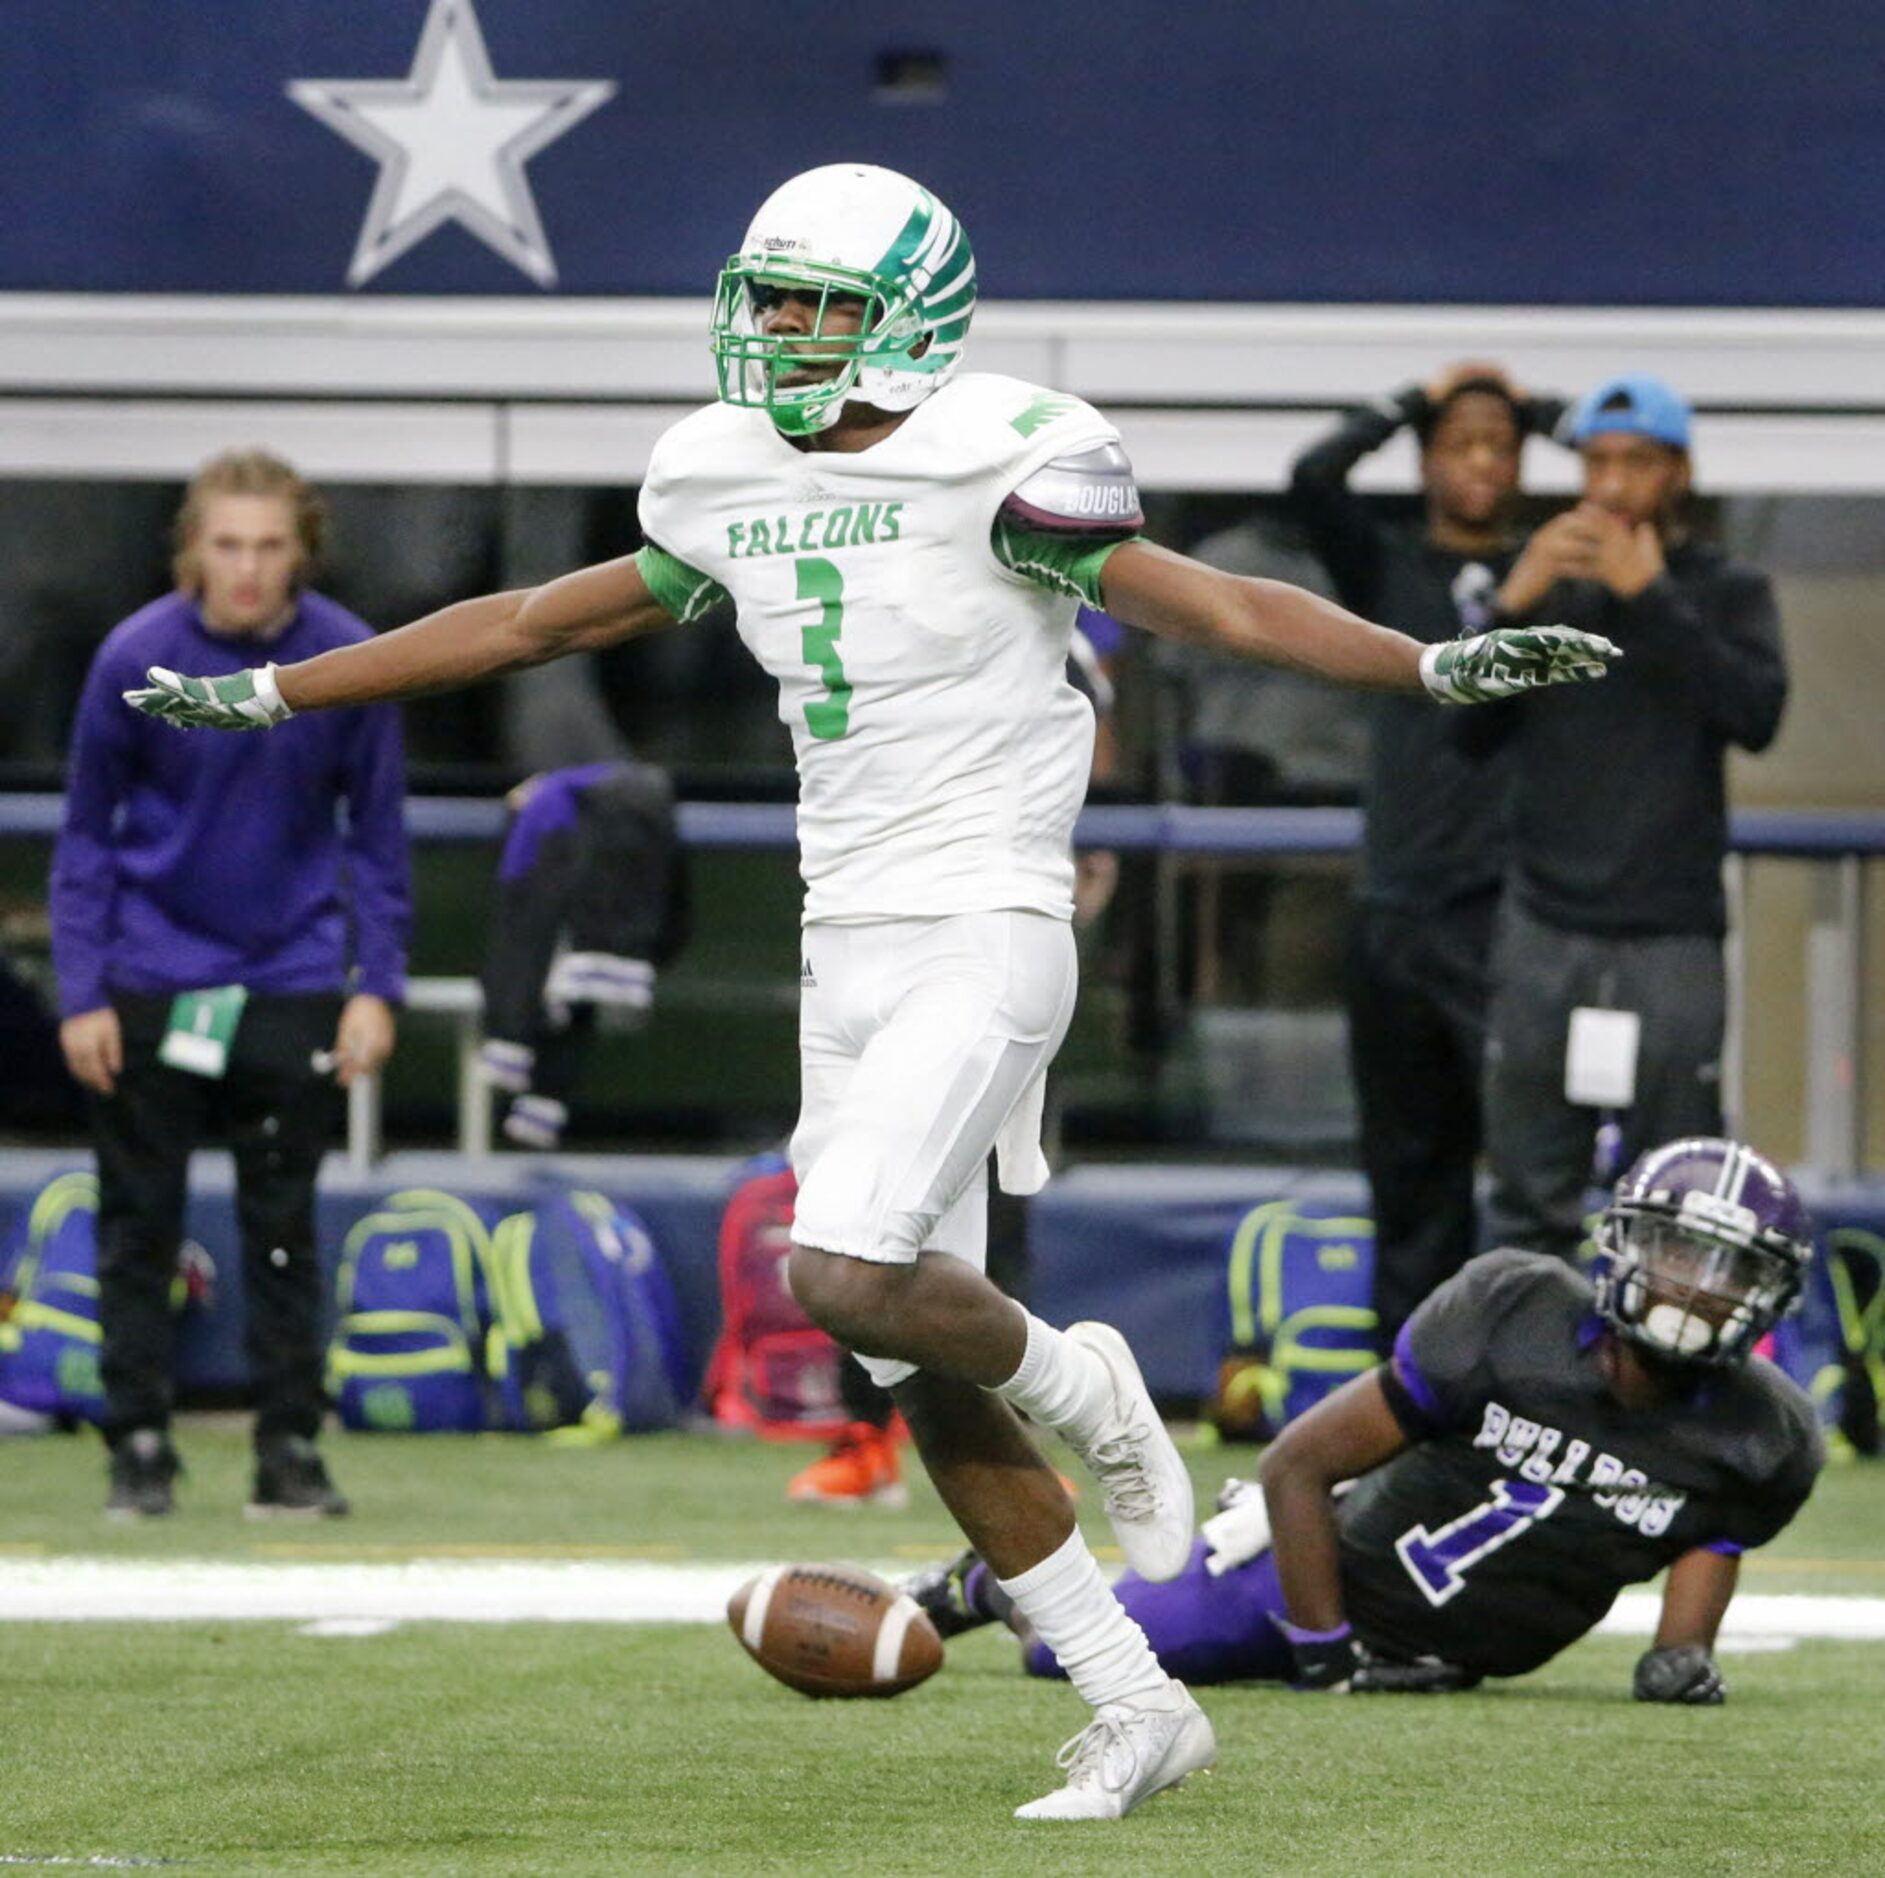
[(1119, 1463), (1085, 1756)]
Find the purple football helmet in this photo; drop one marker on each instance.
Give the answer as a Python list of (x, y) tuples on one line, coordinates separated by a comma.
[(1701, 1251)]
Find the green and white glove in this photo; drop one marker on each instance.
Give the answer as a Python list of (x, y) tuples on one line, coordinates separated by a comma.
[(248, 700), (1510, 659)]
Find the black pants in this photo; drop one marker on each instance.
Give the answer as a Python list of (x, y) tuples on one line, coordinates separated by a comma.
[(1541, 1146), (278, 1116), (1417, 996)]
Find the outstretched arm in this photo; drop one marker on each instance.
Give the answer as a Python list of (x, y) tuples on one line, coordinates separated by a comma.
[(458, 645), (1182, 599), (1268, 620)]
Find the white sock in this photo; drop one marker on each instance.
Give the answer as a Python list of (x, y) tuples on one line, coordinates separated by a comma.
[(1073, 1611), (1060, 1384)]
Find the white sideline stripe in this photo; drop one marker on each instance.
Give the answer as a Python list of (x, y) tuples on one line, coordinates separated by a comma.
[(348, 1627), (97, 1590), (757, 1606), (895, 1627), (460, 1591), (97, 1860), (1762, 1615), (464, 1591)]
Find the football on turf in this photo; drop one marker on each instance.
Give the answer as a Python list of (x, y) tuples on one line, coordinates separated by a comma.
[(834, 1630)]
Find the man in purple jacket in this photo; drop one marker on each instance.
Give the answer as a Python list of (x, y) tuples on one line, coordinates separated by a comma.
[(225, 937)]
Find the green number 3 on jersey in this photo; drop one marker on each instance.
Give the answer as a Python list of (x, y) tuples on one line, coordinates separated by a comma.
[(829, 717)]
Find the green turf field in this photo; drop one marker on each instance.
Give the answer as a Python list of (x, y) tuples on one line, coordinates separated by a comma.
[(241, 1747)]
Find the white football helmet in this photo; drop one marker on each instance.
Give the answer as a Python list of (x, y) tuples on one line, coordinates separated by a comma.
[(846, 230)]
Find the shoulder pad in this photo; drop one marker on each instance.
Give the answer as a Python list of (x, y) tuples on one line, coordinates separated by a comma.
[(1086, 492)]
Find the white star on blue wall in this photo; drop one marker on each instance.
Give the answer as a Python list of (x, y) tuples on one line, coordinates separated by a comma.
[(451, 140)]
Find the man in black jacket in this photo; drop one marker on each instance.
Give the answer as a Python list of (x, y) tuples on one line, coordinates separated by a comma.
[(1433, 847), (1609, 996)]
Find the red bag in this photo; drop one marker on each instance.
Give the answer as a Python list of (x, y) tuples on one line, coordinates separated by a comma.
[(773, 1370)]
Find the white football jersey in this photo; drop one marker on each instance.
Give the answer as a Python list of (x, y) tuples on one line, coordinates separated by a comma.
[(942, 754)]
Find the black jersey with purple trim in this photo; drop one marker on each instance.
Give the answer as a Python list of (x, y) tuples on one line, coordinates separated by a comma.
[(1529, 1496)]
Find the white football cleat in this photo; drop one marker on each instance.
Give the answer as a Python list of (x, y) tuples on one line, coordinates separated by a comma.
[(1125, 1755), (1143, 1479)]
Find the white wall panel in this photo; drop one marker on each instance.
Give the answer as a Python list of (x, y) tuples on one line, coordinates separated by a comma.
[(595, 444), (1143, 352), (1209, 398), (164, 439), (376, 440)]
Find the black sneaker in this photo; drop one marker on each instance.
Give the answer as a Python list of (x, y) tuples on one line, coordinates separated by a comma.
[(291, 1479), (941, 1593), (143, 1465)]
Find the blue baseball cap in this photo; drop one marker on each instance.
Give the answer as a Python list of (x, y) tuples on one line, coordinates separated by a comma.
[(1637, 403)]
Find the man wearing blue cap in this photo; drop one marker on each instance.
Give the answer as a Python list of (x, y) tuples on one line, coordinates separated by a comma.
[(1609, 998)]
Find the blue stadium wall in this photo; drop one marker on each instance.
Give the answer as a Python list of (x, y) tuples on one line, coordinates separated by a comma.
[(1592, 152)]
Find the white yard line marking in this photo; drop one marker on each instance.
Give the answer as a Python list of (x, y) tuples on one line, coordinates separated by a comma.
[(95, 1860), (95, 1590), (587, 1591), (100, 1590), (1760, 1617)]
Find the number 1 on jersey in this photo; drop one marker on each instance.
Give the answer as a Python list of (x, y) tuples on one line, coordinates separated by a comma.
[(829, 717), (1438, 1561)]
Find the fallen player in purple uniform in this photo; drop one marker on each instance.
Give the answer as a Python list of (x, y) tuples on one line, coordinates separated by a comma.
[(1537, 1442)]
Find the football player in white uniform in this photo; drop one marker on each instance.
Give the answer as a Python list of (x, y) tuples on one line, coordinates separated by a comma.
[(906, 547)]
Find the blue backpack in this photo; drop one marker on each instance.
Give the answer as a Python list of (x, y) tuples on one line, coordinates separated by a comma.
[(49, 1337), (1302, 1321), (408, 1350), (586, 1332)]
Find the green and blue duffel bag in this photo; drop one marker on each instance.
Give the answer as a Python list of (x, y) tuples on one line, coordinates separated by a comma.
[(1302, 1322), (49, 1338), (586, 1333), (413, 1307)]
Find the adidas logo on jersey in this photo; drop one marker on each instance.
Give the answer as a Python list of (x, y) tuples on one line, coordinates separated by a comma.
[(808, 979)]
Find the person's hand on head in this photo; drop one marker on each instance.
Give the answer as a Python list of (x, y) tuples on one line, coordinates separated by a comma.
[(93, 1043), (1442, 385)]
